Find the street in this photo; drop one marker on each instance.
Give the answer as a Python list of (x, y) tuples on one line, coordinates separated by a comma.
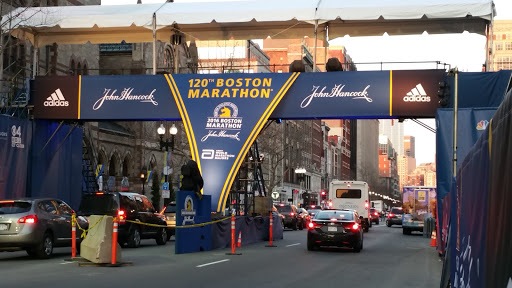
[(388, 259)]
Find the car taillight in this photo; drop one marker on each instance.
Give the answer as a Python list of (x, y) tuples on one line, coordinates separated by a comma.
[(376, 214), (29, 219), (391, 215), (366, 205), (330, 203), (313, 225), (291, 214), (355, 226), (99, 193), (8, 201), (122, 216)]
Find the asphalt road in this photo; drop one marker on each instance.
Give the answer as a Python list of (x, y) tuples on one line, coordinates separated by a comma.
[(388, 259)]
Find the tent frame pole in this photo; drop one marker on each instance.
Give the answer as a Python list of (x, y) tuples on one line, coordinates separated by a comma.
[(154, 43), (492, 43), (35, 59), (316, 39), (455, 111)]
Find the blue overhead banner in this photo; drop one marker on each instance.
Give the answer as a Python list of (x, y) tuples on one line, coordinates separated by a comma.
[(223, 116), (344, 94)]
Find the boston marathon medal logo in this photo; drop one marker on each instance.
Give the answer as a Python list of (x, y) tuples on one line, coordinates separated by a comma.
[(188, 213), (224, 122)]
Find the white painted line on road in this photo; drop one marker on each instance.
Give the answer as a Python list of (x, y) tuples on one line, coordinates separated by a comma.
[(293, 245), (66, 263), (211, 263)]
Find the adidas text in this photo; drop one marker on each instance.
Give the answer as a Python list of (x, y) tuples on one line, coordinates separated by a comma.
[(56, 103), (417, 98)]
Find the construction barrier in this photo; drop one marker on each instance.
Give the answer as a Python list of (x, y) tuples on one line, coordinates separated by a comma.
[(433, 239), (271, 233), (114, 242), (73, 236), (233, 243)]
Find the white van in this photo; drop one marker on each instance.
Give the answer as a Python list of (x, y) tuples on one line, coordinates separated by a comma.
[(351, 195)]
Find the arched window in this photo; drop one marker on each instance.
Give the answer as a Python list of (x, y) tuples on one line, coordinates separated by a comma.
[(72, 68), (79, 69), (85, 70), (126, 165)]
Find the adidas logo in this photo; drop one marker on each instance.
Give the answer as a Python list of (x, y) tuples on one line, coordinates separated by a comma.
[(417, 94), (56, 99)]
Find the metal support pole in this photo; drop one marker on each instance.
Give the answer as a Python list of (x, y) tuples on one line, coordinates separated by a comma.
[(492, 42), (35, 49), (455, 110), (316, 39), (154, 43)]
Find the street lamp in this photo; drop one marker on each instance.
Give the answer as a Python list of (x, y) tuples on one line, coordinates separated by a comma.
[(300, 175), (143, 180), (166, 144)]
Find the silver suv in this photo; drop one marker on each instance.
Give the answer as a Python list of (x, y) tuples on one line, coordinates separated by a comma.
[(36, 225)]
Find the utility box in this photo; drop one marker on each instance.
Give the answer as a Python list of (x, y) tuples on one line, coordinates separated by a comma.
[(262, 205)]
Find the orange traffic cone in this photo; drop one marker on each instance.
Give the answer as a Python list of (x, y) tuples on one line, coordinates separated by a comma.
[(433, 239), (239, 243)]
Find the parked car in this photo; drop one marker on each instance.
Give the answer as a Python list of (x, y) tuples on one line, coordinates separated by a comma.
[(304, 218), (340, 228), (169, 213), (281, 216), (375, 215), (131, 207), (291, 219), (36, 225), (395, 216)]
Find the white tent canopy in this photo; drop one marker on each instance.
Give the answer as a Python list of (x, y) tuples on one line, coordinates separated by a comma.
[(247, 20)]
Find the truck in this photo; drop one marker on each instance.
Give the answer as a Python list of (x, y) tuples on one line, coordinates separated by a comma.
[(352, 195), (378, 205), (418, 203)]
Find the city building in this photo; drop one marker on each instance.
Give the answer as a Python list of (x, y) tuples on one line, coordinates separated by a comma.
[(388, 170), (340, 132), (502, 45), (406, 166), (409, 146), (394, 130), (367, 155)]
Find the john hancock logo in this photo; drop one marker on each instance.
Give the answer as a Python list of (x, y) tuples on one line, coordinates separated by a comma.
[(482, 125), (224, 123), (16, 137)]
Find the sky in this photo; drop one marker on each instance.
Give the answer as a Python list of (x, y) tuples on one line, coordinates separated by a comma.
[(465, 51)]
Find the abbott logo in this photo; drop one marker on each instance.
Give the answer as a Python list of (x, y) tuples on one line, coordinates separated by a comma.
[(56, 99), (417, 94)]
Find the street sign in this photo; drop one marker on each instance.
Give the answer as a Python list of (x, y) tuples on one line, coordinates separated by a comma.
[(167, 170), (165, 186), (166, 194), (275, 195)]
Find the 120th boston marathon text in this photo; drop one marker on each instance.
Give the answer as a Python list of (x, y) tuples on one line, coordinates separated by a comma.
[(230, 88)]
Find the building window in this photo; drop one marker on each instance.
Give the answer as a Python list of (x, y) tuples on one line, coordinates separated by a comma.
[(508, 46), (499, 46)]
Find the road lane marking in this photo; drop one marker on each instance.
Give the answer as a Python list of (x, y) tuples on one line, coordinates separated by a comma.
[(293, 245), (211, 263)]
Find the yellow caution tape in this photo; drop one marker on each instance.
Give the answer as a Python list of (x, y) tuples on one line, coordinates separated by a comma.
[(84, 231), (184, 226)]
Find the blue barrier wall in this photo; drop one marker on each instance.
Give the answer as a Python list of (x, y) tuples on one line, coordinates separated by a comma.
[(56, 162), (15, 146)]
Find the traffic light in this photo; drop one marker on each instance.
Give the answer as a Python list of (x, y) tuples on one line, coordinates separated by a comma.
[(323, 194), (297, 66), (444, 94), (333, 64)]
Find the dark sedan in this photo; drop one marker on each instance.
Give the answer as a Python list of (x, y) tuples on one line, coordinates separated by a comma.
[(339, 228), (395, 216), (36, 225)]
